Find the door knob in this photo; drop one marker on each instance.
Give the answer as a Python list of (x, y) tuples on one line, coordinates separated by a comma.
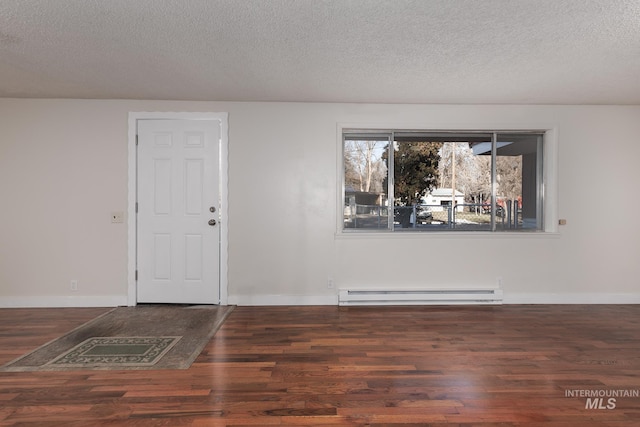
[(212, 222)]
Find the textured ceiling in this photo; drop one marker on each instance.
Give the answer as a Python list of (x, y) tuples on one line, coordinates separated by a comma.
[(422, 51)]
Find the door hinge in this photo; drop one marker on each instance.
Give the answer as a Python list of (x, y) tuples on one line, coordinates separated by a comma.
[(136, 274), (136, 139), (136, 207)]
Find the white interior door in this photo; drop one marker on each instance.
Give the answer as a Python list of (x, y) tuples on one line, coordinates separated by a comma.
[(178, 235)]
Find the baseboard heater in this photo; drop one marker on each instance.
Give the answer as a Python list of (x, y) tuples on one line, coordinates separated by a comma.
[(459, 296)]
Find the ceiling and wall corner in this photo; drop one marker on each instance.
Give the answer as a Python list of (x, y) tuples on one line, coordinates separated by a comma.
[(365, 51)]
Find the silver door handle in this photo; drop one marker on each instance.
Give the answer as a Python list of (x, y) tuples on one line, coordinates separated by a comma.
[(212, 222)]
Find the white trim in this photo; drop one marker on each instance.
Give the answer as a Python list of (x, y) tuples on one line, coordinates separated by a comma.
[(550, 191), (224, 207), (274, 300), (131, 210), (571, 298), (224, 194), (283, 300), (508, 299), (447, 235), (64, 301)]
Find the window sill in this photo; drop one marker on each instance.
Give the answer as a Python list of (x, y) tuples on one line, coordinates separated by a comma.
[(355, 235)]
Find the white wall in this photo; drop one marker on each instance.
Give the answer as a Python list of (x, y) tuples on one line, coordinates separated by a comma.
[(63, 169)]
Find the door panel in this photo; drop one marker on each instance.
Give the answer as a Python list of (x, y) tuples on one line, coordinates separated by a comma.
[(177, 250)]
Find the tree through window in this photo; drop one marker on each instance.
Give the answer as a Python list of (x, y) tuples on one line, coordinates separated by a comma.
[(430, 181)]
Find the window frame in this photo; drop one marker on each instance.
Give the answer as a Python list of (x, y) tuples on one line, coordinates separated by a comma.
[(546, 179)]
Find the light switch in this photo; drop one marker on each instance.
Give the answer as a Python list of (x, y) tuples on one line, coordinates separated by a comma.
[(117, 217)]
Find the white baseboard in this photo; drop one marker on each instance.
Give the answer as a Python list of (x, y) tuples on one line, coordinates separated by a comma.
[(573, 298), (283, 300), (248, 300), (63, 301), (508, 298)]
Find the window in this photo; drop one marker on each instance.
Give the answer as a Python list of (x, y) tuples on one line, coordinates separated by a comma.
[(418, 181)]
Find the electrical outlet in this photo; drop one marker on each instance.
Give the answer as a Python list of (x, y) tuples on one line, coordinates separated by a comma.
[(117, 217), (329, 283), (74, 285)]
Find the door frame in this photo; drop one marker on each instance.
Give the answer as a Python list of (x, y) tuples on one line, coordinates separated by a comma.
[(132, 223)]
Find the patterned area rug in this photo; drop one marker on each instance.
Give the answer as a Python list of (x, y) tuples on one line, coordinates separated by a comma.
[(120, 351), (142, 337)]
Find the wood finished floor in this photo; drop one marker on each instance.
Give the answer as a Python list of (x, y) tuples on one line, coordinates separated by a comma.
[(362, 366)]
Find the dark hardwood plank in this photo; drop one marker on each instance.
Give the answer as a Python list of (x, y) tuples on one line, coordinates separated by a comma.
[(25, 329), (331, 366)]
